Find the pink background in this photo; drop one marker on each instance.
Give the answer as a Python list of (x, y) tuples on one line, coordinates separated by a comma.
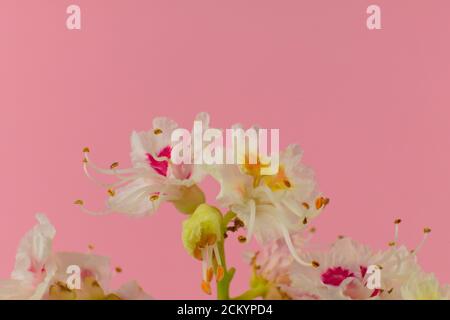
[(370, 109)]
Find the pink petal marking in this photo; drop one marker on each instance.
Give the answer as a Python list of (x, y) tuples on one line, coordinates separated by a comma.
[(160, 166), (335, 276)]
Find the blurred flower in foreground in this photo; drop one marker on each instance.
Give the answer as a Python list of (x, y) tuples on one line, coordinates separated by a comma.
[(40, 273)]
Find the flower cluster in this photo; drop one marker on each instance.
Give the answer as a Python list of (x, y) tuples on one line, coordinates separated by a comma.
[(40, 273), (268, 207), (273, 207), (344, 272)]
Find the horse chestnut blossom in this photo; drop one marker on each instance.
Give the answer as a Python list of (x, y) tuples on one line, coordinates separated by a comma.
[(272, 206), (343, 273), (40, 273), (154, 178)]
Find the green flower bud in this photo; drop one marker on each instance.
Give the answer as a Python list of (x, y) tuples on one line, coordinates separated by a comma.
[(202, 229)]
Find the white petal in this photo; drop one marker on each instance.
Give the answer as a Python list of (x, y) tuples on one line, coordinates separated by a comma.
[(134, 198)]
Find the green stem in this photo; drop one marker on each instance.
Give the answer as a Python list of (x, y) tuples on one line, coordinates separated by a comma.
[(223, 286), (252, 293)]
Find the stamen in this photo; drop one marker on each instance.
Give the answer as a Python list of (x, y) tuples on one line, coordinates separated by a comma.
[(251, 223), (209, 274), (291, 247), (220, 273), (426, 232), (319, 203), (87, 163), (392, 244), (209, 251), (113, 172), (396, 222), (305, 220), (238, 223), (111, 192), (204, 265), (304, 204), (118, 269), (206, 287), (114, 165), (217, 255), (242, 239), (287, 183), (157, 131), (80, 203), (315, 264), (289, 205), (154, 197)]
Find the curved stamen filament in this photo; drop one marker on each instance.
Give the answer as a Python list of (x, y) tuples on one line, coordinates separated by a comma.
[(206, 273), (217, 255), (288, 240), (275, 203), (251, 223), (123, 180), (426, 232), (95, 213), (220, 272), (204, 264), (208, 254), (396, 222), (298, 213), (113, 171)]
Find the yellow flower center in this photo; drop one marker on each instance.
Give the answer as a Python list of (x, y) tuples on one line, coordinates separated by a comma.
[(279, 181)]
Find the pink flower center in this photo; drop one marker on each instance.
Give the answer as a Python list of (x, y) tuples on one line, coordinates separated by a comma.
[(335, 276), (160, 166)]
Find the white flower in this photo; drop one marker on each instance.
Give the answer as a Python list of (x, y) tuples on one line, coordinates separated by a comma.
[(343, 272), (271, 206), (154, 178)]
